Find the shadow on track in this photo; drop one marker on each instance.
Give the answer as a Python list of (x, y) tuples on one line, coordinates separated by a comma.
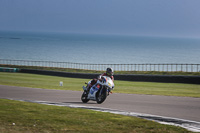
[(80, 102)]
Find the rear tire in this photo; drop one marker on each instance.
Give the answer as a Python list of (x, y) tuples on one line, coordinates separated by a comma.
[(84, 97)]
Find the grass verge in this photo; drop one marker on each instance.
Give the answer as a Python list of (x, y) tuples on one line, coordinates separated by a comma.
[(31, 117), (52, 82)]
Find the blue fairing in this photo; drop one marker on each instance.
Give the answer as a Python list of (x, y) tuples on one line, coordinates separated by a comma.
[(93, 89)]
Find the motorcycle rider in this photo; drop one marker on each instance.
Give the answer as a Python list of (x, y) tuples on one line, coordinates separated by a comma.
[(109, 72)]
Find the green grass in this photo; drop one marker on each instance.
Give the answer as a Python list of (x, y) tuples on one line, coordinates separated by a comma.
[(52, 82), (18, 116), (151, 88), (93, 71)]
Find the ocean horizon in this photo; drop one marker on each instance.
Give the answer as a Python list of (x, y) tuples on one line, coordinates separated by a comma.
[(98, 49)]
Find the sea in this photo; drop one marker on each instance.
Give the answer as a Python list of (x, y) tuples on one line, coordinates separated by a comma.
[(98, 49)]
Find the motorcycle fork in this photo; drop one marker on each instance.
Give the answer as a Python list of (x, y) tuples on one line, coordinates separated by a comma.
[(101, 90)]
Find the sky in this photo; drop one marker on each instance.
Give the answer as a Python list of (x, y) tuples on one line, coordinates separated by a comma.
[(123, 17)]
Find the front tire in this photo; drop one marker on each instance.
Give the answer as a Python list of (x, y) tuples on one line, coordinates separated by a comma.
[(101, 97), (84, 97)]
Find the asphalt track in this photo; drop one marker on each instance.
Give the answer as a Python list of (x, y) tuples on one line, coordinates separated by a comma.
[(167, 106)]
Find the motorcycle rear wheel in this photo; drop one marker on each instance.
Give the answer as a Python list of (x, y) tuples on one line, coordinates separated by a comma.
[(84, 97)]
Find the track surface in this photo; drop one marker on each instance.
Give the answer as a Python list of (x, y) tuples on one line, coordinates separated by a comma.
[(168, 106)]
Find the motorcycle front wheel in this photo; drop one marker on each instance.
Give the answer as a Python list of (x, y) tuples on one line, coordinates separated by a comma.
[(84, 97), (101, 97)]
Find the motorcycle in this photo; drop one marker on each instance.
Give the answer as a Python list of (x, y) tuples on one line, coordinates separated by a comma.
[(99, 91)]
